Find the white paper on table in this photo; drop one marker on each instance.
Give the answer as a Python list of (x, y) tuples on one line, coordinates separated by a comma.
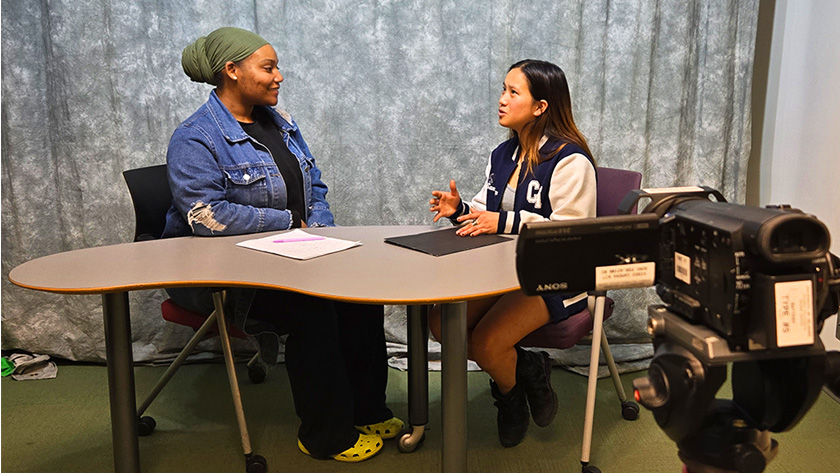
[(298, 244)]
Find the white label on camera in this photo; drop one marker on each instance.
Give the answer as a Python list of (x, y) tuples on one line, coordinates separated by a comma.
[(794, 313), (623, 276), (682, 267)]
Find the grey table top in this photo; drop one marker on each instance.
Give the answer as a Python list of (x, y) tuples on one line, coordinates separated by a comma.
[(376, 272)]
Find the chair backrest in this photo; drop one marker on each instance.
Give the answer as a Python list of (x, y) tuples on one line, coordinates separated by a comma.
[(613, 185), (150, 194)]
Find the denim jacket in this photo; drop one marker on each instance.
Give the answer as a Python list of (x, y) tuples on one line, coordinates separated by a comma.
[(226, 183)]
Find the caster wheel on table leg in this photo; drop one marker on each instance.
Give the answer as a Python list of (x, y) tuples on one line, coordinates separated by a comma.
[(145, 426), (410, 439)]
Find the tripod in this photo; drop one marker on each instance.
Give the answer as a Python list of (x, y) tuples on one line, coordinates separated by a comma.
[(772, 391)]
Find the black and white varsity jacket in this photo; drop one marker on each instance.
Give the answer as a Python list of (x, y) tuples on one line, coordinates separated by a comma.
[(560, 187)]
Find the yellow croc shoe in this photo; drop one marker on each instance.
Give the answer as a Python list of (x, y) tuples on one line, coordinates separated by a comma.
[(366, 447), (386, 429)]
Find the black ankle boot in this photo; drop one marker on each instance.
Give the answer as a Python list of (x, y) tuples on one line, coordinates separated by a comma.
[(533, 373), (513, 417)]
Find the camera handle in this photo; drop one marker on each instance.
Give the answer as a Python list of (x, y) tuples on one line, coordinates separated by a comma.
[(661, 200)]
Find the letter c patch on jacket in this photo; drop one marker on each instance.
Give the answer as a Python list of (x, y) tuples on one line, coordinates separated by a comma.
[(533, 193)]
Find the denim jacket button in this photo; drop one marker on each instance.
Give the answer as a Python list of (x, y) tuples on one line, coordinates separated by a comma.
[(246, 177)]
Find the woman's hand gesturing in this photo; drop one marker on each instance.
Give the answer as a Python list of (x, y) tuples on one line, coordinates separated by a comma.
[(445, 203)]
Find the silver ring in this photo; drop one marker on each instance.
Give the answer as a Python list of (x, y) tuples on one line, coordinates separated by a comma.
[(475, 222)]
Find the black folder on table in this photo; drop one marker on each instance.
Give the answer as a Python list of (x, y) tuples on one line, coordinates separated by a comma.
[(444, 242)]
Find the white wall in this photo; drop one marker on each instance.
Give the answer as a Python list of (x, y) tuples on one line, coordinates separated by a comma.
[(800, 160)]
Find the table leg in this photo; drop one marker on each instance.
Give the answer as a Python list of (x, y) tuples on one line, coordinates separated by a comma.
[(454, 387), (418, 377), (120, 363)]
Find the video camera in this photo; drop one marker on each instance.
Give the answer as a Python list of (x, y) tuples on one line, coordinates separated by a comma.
[(743, 285)]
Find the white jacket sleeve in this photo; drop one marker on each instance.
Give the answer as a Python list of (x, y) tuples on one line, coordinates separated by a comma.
[(573, 192)]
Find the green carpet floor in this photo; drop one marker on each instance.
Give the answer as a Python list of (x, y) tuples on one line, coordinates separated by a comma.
[(62, 425)]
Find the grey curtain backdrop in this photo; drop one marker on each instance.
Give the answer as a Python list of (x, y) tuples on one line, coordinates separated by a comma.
[(394, 98)]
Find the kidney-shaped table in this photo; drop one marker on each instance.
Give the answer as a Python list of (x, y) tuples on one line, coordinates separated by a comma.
[(374, 273)]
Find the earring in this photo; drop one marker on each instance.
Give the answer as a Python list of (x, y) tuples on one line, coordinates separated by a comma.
[(234, 77)]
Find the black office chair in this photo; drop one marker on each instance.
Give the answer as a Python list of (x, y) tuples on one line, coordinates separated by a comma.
[(150, 194)]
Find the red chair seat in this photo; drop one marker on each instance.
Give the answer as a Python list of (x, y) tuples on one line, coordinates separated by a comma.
[(178, 315), (566, 333)]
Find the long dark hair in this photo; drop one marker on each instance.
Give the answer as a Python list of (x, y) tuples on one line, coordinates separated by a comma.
[(547, 82)]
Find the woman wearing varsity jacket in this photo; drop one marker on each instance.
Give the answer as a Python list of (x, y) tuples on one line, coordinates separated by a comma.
[(543, 172)]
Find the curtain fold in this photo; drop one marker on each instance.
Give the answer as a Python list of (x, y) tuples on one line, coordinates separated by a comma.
[(394, 99)]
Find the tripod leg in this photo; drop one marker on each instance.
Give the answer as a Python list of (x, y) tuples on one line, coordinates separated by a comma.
[(594, 355)]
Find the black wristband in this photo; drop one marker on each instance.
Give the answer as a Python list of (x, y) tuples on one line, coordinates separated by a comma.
[(463, 208)]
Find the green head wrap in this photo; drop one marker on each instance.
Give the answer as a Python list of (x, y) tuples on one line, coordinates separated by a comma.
[(204, 58)]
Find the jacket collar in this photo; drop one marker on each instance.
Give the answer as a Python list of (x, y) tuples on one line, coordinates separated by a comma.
[(545, 151), (231, 129), (549, 146)]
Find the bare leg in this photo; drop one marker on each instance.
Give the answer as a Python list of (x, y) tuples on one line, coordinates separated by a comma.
[(475, 311), (508, 321)]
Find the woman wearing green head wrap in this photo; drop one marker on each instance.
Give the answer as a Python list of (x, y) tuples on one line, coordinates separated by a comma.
[(238, 166)]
